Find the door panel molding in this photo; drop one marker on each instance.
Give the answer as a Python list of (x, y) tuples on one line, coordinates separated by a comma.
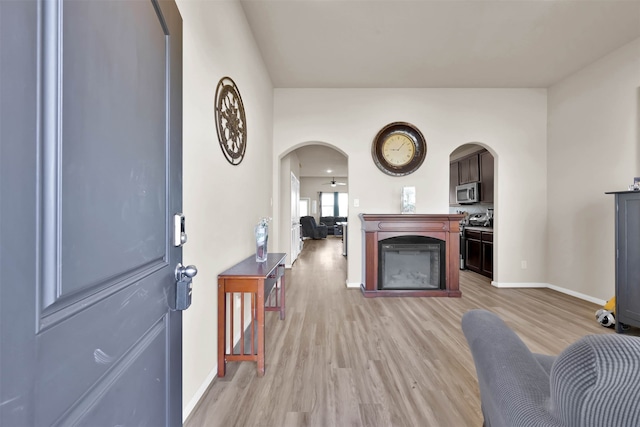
[(82, 408), (114, 143), (67, 307), (55, 302), (49, 107), (70, 350)]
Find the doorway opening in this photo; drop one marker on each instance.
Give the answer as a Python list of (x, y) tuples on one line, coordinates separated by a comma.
[(472, 193), (323, 193)]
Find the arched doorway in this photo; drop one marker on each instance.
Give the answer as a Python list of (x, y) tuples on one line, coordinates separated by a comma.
[(320, 169), (472, 192)]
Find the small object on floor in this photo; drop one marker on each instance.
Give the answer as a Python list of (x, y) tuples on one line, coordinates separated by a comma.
[(606, 315)]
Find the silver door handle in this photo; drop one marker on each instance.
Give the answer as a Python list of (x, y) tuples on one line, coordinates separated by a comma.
[(188, 271), (183, 286)]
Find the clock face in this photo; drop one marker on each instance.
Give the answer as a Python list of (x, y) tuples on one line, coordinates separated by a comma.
[(399, 149)]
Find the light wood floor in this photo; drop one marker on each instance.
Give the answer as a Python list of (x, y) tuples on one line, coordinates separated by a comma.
[(339, 359)]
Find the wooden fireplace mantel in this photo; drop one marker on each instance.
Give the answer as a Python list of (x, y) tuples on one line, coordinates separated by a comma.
[(445, 227)]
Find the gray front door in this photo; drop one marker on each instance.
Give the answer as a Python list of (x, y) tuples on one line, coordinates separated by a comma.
[(90, 178)]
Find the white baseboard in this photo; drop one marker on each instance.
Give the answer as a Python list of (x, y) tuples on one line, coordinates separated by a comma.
[(578, 295), (518, 285), (187, 410), (353, 285), (549, 286)]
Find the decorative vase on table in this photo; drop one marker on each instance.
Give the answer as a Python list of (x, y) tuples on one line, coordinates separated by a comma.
[(262, 235)]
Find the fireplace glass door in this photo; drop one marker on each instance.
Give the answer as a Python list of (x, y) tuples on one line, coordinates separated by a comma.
[(411, 263)]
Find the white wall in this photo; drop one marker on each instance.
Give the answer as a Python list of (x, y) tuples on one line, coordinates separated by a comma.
[(511, 123), (593, 147), (222, 203)]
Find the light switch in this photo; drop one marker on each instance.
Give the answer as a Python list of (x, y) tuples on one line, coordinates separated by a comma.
[(356, 203)]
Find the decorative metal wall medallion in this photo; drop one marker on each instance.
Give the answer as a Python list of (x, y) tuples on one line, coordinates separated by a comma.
[(231, 123)]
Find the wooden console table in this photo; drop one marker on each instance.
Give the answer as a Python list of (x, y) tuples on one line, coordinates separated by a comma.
[(258, 280)]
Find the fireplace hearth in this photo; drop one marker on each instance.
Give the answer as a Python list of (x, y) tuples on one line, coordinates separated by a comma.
[(411, 255)]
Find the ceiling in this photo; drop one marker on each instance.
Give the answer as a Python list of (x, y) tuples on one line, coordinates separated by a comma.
[(431, 44), (316, 160)]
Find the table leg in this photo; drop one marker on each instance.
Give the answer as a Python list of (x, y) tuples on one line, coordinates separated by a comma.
[(260, 304), (282, 307), (222, 314)]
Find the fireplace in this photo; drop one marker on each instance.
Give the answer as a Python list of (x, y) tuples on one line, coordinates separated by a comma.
[(411, 263), (410, 255)]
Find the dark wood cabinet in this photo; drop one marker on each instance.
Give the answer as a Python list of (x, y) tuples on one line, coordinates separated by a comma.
[(487, 259), (476, 167), (479, 247), (474, 252), (486, 177), (453, 181), (627, 228), (469, 169)]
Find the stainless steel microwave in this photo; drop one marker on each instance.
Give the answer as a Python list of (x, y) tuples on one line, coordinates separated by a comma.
[(467, 194)]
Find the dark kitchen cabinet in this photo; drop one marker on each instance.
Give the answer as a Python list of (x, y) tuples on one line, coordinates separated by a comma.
[(474, 255), (487, 255), (479, 247), (469, 169), (476, 167), (486, 177), (627, 229), (453, 181)]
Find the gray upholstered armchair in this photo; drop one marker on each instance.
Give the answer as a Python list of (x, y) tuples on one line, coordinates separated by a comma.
[(311, 229), (594, 382)]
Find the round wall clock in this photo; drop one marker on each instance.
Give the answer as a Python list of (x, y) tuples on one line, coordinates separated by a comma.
[(399, 149), (231, 123)]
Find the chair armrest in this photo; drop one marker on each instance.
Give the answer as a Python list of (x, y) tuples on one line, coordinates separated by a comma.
[(322, 231), (514, 386), (595, 381)]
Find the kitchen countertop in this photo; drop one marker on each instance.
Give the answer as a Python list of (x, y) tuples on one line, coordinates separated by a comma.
[(478, 228)]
